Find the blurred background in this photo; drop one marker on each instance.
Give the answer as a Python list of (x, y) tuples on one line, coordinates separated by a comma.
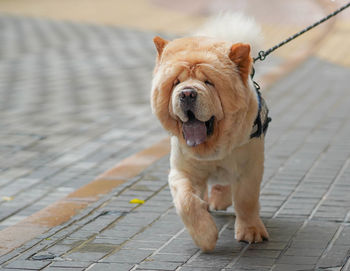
[(278, 18), (178, 17)]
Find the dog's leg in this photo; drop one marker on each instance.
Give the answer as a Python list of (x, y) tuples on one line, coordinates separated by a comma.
[(248, 226), (205, 196), (220, 197), (188, 199)]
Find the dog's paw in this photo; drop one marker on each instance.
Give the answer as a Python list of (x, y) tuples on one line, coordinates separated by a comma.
[(220, 197), (204, 232), (250, 233)]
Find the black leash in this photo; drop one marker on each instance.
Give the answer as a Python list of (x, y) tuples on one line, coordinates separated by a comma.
[(260, 126), (263, 54)]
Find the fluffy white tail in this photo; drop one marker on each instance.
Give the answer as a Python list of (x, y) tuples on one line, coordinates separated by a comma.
[(233, 27)]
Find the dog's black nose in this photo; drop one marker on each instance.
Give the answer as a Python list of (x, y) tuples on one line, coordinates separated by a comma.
[(188, 97)]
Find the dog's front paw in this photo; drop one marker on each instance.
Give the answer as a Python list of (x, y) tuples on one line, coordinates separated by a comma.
[(250, 232), (204, 232), (220, 197)]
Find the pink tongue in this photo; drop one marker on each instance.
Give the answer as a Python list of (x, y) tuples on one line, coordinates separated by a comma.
[(195, 132)]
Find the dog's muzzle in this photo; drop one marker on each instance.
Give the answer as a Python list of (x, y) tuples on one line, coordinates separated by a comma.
[(194, 131), (188, 97)]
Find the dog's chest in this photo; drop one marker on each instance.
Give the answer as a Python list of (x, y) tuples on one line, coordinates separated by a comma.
[(224, 175)]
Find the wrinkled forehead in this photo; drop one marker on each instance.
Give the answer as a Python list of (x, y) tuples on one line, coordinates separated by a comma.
[(195, 50)]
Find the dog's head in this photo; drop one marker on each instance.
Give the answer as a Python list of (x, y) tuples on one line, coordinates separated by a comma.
[(201, 93)]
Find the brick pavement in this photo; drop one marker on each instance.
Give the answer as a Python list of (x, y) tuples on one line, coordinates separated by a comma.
[(63, 116), (305, 202), (60, 129)]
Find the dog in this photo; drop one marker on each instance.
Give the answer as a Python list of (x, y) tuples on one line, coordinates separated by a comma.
[(203, 94)]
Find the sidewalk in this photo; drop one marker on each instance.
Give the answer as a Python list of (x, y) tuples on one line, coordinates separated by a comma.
[(304, 200), (73, 110), (73, 93)]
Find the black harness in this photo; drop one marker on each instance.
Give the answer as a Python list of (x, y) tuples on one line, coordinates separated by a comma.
[(262, 120)]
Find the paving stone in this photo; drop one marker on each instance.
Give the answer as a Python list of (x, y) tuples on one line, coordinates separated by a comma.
[(143, 244), (182, 247), (298, 259), (309, 244), (136, 219), (192, 268), (168, 257), (120, 232), (69, 264), (50, 268), (70, 242), (154, 265), (27, 265), (82, 234), (218, 262), (292, 267), (255, 261), (262, 253), (166, 228), (128, 256), (111, 267), (87, 256), (271, 245), (98, 224), (308, 252), (344, 237), (147, 235), (250, 268), (109, 241), (335, 257)]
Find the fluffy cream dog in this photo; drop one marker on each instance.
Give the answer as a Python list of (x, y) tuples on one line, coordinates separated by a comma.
[(203, 95)]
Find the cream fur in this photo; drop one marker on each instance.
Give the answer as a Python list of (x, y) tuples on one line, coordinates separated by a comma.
[(229, 156)]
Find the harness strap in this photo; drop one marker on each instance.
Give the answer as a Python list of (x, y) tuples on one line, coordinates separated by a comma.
[(262, 120)]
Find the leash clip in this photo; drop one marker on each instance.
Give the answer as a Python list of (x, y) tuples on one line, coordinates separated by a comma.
[(261, 56)]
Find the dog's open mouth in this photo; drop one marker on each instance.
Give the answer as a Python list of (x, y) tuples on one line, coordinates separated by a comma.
[(195, 131)]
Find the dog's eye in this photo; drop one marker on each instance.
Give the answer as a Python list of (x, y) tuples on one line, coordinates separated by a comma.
[(208, 83), (176, 82)]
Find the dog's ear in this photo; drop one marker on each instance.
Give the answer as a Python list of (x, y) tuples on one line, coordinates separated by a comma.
[(160, 44), (240, 55)]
